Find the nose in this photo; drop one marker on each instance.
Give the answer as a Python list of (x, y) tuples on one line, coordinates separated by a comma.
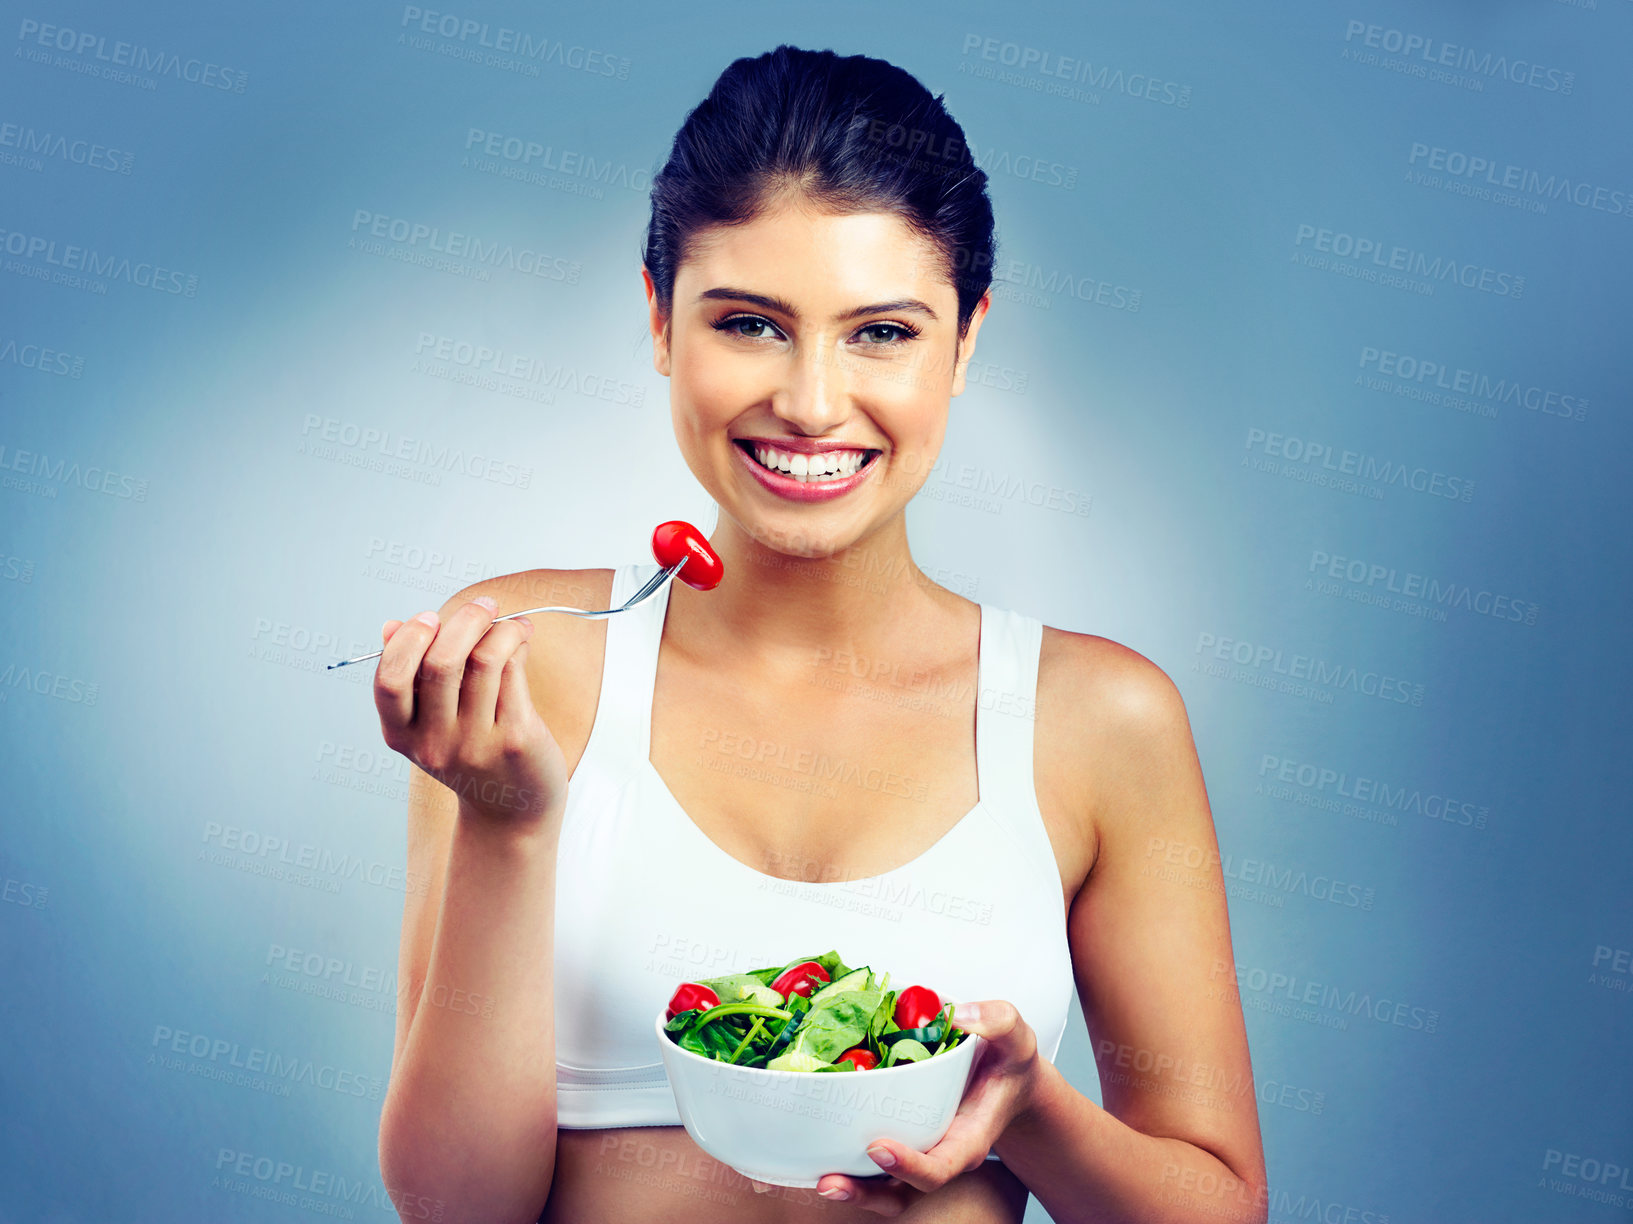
[(814, 396)]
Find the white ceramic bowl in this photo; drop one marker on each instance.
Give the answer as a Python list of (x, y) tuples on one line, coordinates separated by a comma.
[(791, 1127)]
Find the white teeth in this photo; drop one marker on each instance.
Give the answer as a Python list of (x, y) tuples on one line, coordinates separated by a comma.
[(829, 465)]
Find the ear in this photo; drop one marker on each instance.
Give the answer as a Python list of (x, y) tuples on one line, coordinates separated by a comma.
[(657, 324), (966, 346)]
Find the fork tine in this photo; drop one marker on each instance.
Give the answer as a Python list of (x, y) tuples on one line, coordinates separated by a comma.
[(653, 583)]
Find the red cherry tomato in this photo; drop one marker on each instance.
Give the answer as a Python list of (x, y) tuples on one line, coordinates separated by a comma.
[(861, 1057), (800, 979), (917, 1006), (691, 995), (676, 539)]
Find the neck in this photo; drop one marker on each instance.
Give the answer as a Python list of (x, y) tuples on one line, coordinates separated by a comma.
[(782, 608)]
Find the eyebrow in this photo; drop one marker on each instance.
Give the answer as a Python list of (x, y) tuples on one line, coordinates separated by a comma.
[(728, 293)]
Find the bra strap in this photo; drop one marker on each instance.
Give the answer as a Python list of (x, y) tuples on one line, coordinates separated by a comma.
[(1005, 721), (621, 736)]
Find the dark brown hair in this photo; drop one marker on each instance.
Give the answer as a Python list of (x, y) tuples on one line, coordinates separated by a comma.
[(850, 133)]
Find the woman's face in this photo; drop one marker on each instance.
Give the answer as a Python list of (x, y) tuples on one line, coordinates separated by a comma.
[(811, 342)]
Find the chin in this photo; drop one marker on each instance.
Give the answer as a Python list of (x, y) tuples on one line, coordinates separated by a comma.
[(794, 534)]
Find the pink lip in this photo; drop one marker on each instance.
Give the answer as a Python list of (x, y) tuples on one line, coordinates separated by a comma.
[(808, 491)]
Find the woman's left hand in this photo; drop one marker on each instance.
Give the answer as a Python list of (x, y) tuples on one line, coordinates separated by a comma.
[(1006, 1071)]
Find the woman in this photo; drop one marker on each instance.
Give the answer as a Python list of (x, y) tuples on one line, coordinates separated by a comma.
[(735, 777)]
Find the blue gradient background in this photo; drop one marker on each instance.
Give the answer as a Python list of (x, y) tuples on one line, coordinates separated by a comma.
[(162, 658)]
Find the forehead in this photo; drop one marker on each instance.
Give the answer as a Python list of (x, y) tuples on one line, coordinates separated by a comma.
[(816, 259)]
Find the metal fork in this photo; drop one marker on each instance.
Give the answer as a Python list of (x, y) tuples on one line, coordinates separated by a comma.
[(646, 592)]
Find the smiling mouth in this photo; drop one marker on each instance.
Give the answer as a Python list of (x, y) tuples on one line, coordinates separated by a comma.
[(809, 469)]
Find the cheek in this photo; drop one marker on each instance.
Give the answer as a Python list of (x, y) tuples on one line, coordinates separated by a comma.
[(920, 414), (714, 389)]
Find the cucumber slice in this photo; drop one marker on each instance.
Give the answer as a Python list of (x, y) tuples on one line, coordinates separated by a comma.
[(742, 987), (929, 1034), (856, 979), (795, 1060), (906, 1050), (786, 1034)]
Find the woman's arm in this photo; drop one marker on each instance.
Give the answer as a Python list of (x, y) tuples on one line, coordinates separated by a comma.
[(468, 1128), (1179, 1135)]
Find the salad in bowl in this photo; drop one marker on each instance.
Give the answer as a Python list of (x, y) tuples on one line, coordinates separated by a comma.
[(813, 1014), (790, 1071)]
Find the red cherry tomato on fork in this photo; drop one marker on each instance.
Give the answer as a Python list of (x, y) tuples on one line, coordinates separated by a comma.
[(862, 1058), (916, 1007), (800, 979), (690, 995), (676, 539)]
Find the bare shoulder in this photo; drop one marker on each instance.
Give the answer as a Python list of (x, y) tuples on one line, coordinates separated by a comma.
[(1103, 686), (1108, 720), (565, 652)]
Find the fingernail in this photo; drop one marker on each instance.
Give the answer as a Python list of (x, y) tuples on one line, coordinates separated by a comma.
[(427, 618), (883, 1157), (488, 602), (966, 1013), (835, 1193)]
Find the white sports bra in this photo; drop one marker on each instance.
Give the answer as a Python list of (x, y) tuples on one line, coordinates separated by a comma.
[(645, 901)]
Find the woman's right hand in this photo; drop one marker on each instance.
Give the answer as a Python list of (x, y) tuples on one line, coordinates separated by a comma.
[(453, 699)]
